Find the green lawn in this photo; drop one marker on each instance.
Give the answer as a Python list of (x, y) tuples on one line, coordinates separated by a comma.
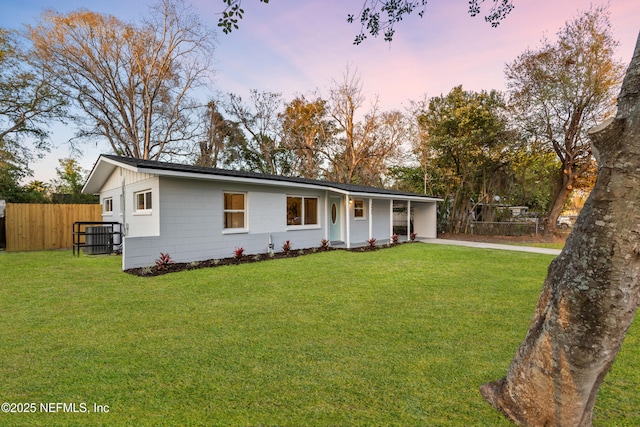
[(401, 336)]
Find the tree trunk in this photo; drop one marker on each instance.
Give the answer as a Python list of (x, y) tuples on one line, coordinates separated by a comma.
[(592, 289), (560, 196)]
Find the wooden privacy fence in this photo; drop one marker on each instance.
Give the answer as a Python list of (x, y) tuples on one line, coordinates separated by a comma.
[(33, 227)]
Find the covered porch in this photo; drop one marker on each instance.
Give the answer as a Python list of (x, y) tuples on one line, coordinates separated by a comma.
[(353, 219)]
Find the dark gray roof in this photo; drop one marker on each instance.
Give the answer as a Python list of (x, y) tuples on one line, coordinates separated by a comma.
[(178, 167)]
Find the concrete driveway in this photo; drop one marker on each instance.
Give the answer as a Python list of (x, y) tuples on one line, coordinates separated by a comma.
[(482, 245)]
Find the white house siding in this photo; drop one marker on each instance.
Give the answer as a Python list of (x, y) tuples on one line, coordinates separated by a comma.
[(124, 205), (191, 223), (113, 189), (115, 215), (381, 217), (114, 182), (424, 219), (359, 228), (142, 224)]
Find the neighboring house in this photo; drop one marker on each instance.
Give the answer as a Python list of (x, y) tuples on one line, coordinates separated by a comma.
[(197, 213)]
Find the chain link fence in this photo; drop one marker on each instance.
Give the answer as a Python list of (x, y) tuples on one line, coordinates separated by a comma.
[(508, 228)]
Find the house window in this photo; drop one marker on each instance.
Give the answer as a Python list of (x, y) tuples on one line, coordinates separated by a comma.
[(302, 210), (107, 206), (142, 201), (358, 209), (235, 210)]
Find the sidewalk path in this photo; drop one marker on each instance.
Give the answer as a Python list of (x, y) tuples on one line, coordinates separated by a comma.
[(483, 245)]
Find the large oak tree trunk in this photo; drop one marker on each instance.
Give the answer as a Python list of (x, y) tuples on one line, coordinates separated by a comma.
[(592, 289)]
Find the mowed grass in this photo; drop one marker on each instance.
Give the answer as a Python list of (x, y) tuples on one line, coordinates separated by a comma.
[(401, 336)]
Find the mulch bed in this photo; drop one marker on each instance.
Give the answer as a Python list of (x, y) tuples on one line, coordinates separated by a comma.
[(245, 259), (173, 267)]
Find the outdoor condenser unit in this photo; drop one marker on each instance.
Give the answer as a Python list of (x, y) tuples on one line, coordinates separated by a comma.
[(99, 240)]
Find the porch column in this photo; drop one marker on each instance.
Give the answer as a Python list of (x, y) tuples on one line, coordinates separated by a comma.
[(408, 218), (371, 236), (327, 214), (390, 217), (347, 209)]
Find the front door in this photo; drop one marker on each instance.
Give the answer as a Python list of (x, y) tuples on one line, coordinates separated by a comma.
[(335, 214)]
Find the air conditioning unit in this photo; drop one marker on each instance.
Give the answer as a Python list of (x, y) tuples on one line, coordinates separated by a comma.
[(98, 240)]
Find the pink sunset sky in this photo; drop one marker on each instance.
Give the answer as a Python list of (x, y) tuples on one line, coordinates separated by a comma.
[(296, 46)]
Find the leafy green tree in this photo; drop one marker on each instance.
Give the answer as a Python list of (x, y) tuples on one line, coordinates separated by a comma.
[(28, 104), (468, 132), (524, 177), (68, 185), (12, 172), (532, 176), (414, 179), (562, 90), (34, 192), (426, 176), (407, 178)]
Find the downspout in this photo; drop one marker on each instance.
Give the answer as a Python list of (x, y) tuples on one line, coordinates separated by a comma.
[(123, 208), (123, 226)]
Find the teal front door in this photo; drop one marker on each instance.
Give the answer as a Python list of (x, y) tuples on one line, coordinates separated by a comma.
[(335, 216)]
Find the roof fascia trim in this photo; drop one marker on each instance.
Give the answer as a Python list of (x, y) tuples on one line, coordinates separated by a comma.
[(276, 183), (228, 178), (112, 163), (396, 197), (99, 167), (120, 164)]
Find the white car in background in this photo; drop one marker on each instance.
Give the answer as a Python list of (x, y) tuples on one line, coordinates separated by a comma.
[(564, 222)]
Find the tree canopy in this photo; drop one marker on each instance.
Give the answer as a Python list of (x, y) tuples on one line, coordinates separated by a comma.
[(468, 133), (561, 90), (132, 83), (377, 16), (67, 186), (307, 132), (28, 105)]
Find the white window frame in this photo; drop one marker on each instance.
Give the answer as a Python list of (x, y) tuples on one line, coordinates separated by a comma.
[(146, 210), (107, 206), (303, 214), (244, 210), (362, 209)]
